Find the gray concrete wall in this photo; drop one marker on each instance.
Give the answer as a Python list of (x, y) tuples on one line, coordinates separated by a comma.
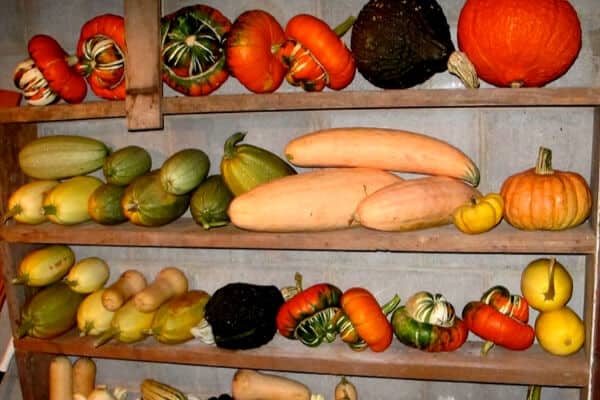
[(501, 141)]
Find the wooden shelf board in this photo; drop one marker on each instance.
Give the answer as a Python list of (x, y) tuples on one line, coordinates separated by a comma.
[(533, 366), (369, 99), (186, 233)]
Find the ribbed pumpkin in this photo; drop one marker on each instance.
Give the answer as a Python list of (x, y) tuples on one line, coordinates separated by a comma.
[(541, 198), (519, 43)]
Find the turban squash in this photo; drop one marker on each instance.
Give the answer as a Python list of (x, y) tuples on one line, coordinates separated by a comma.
[(519, 43)]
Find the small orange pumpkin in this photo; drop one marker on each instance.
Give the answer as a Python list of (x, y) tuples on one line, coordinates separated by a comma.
[(541, 198), (519, 42)]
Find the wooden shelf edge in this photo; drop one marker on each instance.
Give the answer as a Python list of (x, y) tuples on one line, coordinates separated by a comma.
[(186, 233), (294, 100), (533, 366)]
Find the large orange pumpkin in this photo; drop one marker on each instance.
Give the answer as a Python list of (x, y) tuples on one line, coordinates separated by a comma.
[(519, 42), (541, 198)]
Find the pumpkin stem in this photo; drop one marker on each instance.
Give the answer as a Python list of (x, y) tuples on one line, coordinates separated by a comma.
[(49, 210), (516, 84), (460, 65), (544, 162), (549, 294), (342, 28), (24, 328), (534, 392), (229, 147), (486, 347)]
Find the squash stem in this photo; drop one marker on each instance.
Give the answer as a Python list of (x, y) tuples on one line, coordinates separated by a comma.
[(206, 224), (486, 347), (16, 210), (534, 392), (106, 336), (24, 328), (549, 294), (20, 280), (544, 162), (49, 210), (345, 26), (460, 65), (229, 147), (391, 305)]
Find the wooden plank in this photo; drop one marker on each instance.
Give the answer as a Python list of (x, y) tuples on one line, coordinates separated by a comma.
[(592, 277), (185, 233), (144, 82), (63, 112), (33, 374), (12, 138), (407, 98), (381, 99), (533, 366)]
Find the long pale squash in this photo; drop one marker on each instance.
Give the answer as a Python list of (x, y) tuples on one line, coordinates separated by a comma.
[(414, 204), (387, 149), (62, 156), (311, 201)]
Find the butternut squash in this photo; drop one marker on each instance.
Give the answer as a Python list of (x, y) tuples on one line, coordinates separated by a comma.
[(387, 149), (84, 376), (414, 204), (129, 283), (312, 201), (168, 283), (60, 379), (253, 385)]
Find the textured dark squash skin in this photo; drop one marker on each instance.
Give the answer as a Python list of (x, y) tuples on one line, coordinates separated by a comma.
[(242, 315), (400, 44)]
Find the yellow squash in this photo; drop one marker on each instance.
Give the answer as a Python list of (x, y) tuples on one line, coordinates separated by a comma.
[(67, 202), (25, 204), (44, 266), (479, 215)]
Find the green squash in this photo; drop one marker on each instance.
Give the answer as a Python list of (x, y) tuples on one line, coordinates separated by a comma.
[(50, 312), (184, 171), (126, 164), (245, 166), (146, 203), (104, 204), (210, 201)]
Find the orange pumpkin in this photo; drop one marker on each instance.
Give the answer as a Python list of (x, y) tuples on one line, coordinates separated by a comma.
[(541, 198), (519, 42), (251, 47), (315, 54)]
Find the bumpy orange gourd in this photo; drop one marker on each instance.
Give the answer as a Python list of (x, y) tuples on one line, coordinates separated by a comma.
[(541, 198), (519, 43)]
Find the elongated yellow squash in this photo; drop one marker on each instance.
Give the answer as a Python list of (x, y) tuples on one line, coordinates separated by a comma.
[(311, 201), (387, 149), (414, 204)]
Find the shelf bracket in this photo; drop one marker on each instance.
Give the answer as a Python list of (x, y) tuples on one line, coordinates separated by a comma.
[(144, 84)]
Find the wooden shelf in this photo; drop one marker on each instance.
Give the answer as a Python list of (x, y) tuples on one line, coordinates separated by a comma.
[(186, 233), (326, 100), (533, 366)]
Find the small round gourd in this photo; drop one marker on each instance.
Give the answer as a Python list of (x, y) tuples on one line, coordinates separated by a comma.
[(541, 198)]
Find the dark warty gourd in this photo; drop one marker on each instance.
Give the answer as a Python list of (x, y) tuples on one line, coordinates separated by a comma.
[(399, 44)]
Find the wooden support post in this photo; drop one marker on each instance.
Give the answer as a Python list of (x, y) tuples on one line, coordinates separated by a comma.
[(144, 83)]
